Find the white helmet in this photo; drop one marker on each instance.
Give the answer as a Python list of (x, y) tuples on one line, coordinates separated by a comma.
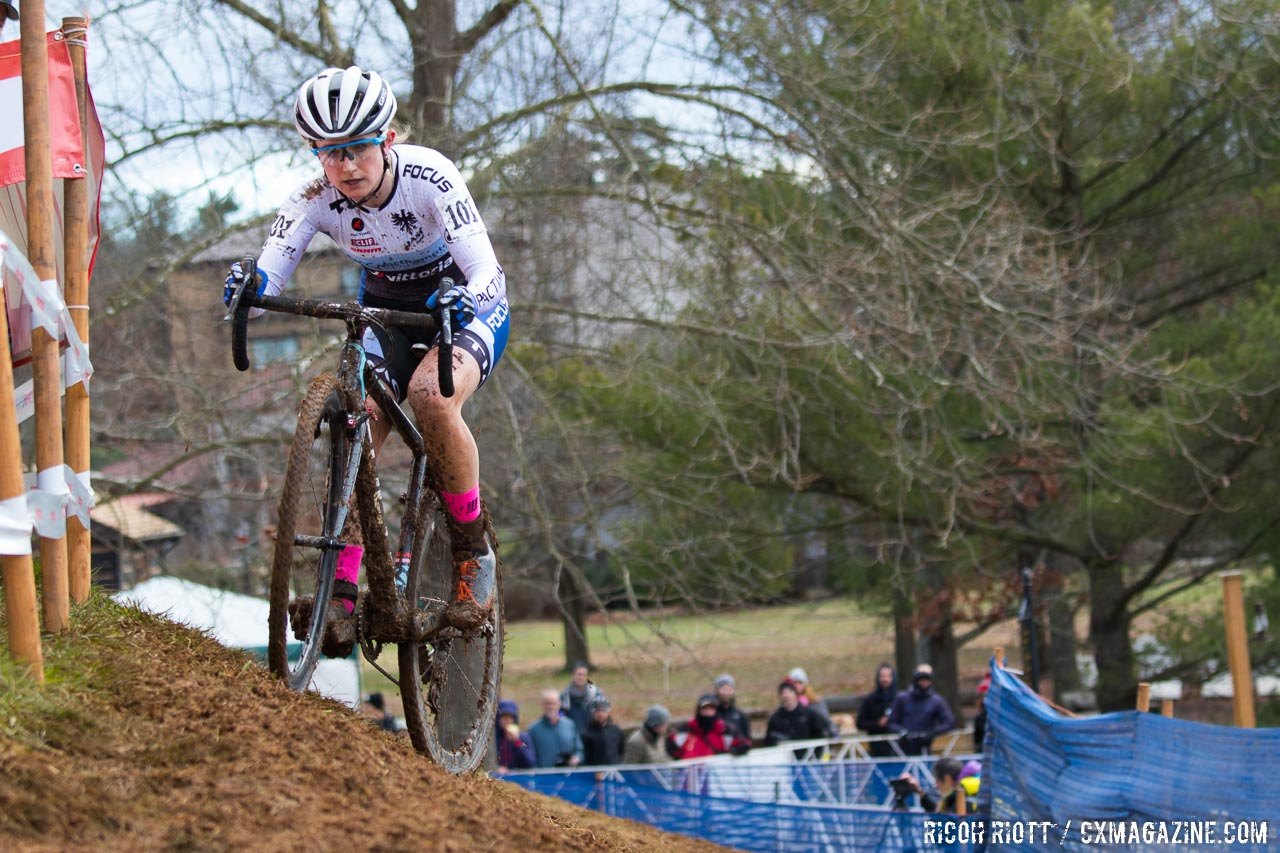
[(337, 104)]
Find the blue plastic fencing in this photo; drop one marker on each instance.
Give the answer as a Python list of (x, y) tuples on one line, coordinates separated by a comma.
[(791, 827), (1144, 773)]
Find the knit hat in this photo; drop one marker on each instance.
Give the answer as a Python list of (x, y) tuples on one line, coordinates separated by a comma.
[(798, 676), (507, 706), (601, 703), (656, 716), (722, 680), (707, 699)]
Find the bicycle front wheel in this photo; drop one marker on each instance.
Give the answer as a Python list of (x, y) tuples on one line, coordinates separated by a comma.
[(449, 686), (313, 508)]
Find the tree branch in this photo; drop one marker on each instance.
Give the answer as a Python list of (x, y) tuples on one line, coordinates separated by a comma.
[(490, 20), (277, 28)]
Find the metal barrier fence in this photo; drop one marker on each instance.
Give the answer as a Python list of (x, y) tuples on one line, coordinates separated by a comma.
[(755, 826)]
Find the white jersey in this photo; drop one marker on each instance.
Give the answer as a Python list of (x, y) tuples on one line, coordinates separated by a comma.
[(429, 227)]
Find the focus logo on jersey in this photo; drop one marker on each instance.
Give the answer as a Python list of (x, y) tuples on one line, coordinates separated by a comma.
[(428, 174)]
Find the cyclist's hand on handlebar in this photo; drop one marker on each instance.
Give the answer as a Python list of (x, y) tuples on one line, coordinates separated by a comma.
[(459, 302), (235, 278)]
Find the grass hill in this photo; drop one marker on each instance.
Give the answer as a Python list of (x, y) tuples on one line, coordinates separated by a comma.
[(151, 736)]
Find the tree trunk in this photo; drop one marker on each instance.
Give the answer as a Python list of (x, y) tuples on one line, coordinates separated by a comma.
[(940, 644), (1062, 633), (1109, 632), (573, 613), (904, 635), (433, 28)]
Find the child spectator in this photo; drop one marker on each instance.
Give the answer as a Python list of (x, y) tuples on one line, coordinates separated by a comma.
[(602, 740), (648, 744), (515, 751)]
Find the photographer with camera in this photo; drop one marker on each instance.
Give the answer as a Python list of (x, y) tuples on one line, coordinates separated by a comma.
[(946, 772)]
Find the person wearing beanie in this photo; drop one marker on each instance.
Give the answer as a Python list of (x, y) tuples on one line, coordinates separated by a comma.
[(873, 710), (515, 750), (919, 715), (735, 721), (648, 744), (793, 721), (602, 740), (705, 733)]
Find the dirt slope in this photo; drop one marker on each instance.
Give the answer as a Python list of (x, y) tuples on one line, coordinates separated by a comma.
[(152, 737)]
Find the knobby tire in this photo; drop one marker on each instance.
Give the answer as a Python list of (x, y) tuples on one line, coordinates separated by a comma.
[(309, 499), (450, 703)]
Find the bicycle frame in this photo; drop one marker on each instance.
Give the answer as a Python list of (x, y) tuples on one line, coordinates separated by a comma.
[(357, 381)]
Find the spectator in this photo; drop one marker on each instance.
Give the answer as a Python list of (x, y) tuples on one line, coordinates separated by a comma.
[(648, 744), (375, 707), (727, 709), (1261, 624), (705, 734), (556, 742), (980, 719), (919, 714), (873, 710), (792, 721), (577, 697), (946, 773), (602, 740), (515, 751), (811, 700), (7, 13)]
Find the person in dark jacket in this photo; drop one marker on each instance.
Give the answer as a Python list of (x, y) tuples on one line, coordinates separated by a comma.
[(873, 710), (576, 698), (515, 750), (919, 714), (602, 741), (735, 721), (793, 721)]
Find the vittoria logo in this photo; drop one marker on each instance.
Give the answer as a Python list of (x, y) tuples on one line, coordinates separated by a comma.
[(357, 224)]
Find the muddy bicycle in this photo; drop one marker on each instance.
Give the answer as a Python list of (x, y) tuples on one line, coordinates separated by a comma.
[(448, 678)]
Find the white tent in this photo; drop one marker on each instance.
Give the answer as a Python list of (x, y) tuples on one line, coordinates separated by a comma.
[(239, 621)]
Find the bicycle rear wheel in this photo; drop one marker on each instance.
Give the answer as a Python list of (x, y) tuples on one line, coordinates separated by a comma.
[(449, 687), (311, 505)]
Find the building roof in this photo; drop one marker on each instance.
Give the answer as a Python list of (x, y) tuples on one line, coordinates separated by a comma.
[(133, 522)]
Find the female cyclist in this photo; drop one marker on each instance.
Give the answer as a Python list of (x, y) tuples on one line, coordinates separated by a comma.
[(404, 214)]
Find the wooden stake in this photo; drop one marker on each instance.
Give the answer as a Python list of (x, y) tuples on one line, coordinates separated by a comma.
[(40, 250), (1144, 697), (76, 254), (1166, 708), (1238, 649), (999, 656), (19, 574)]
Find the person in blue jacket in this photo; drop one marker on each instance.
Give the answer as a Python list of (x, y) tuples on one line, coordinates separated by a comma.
[(515, 750), (919, 714), (556, 742)]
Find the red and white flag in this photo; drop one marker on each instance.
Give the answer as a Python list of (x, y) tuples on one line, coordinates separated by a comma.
[(71, 161)]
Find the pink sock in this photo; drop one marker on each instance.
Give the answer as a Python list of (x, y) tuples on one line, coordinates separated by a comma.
[(463, 507), (348, 569)]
